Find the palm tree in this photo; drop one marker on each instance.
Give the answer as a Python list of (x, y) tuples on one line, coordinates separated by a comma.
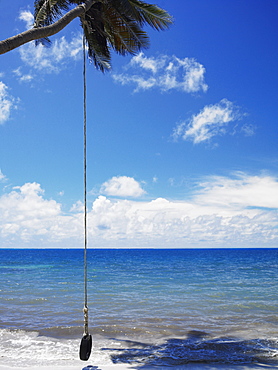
[(107, 24)]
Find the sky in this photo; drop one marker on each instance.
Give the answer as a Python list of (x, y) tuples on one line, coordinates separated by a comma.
[(182, 137)]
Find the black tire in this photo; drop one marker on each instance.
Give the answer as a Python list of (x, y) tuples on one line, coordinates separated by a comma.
[(85, 347)]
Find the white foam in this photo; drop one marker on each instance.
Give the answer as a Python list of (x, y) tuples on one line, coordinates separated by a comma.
[(20, 348)]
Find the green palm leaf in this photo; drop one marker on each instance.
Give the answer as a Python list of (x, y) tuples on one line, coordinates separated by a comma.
[(47, 11), (124, 34), (152, 15)]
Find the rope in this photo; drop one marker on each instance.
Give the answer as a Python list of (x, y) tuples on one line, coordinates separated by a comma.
[(85, 310), (86, 341)]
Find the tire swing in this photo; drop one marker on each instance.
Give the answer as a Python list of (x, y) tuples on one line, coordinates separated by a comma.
[(86, 341)]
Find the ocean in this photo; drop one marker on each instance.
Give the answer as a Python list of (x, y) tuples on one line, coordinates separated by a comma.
[(146, 306)]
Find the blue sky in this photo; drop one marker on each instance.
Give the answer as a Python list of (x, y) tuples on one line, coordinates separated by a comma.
[(182, 138)]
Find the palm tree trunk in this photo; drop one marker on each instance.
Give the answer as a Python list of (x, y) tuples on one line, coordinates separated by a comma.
[(42, 32)]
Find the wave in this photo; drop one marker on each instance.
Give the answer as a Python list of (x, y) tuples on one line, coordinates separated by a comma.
[(20, 348)]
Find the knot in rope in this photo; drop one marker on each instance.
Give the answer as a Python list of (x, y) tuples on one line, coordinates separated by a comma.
[(86, 320)]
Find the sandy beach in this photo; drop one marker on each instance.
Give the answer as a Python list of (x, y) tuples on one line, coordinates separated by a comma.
[(148, 367)]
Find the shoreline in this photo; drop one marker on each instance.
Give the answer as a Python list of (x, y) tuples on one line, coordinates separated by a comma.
[(191, 366), (40, 353)]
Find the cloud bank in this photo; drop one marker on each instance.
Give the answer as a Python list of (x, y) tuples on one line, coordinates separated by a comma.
[(236, 211), (165, 73), (239, 191)]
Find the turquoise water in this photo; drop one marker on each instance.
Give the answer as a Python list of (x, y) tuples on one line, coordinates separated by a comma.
[(145, 306)]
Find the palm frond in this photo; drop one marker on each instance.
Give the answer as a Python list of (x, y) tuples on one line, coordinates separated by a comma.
[(47, 11), (93, 26), (124, 7), (124, 34), (152, 15)]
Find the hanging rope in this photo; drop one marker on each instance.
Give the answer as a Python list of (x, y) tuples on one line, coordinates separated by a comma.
[(85, 184), (86, 342)]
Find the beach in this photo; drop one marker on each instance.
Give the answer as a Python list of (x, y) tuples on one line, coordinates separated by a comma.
[(148, 309), (134, 367)]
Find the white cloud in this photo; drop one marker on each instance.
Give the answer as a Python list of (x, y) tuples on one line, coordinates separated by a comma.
[(27, 17), (7, 103), (25, 213), (152, 64), (211, 121), (122, 186), (51, 59), (248, 129), (26, 78), (236, 211), (77, 207), (22, 77), (240, 191), (2, 176), (165, 73)]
